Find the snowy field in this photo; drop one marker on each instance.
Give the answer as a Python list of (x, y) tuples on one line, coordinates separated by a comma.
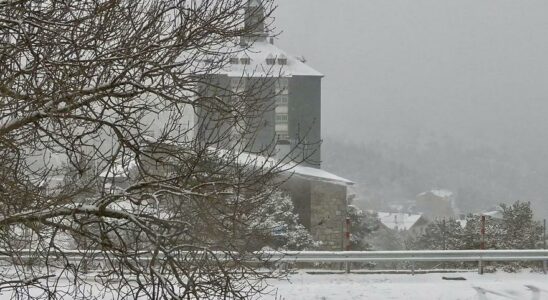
[(303, 286)]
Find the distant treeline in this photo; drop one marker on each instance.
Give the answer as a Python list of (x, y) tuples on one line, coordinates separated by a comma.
[(480, 176)]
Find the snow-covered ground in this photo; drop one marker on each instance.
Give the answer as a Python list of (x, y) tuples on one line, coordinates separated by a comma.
[(304, 286)]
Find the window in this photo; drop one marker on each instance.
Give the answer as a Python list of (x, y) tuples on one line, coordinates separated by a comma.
[(234, 60), (282, 136), (270, 59), (282, 99), (282, 59), (282, 86), (246, 60), (282, 118)]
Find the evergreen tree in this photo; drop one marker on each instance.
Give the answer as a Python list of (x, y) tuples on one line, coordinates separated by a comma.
[(278, 226), (471, 239), (442, 234), (519, 229), (363, 224), (516, 229)]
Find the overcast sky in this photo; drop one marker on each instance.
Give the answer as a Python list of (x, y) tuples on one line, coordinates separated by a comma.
[(473, 69)]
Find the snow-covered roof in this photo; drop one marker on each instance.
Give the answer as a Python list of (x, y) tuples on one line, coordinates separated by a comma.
[(398, 221), (315, 173), (439, 193), (496, 214), (251, 160), (259, 161), (119, 169), (258, 67)]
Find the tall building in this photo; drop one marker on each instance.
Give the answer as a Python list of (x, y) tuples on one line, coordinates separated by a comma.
[(288, 123)]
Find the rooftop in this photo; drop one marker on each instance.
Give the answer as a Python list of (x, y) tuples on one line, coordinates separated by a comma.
[(251, 61), (123, 169), (398, 221), (438, 193)]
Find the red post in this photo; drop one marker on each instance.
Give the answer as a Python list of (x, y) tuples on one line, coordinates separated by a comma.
[(347, 234), (482, 242), (347, 239)]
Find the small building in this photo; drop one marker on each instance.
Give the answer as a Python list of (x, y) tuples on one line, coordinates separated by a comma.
[(406, 223), (320, 200), (437, 204)]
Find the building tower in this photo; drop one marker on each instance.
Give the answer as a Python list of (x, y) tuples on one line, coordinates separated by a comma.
[(290, 88)]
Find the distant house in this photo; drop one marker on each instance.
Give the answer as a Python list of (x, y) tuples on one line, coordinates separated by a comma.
[(495, 214), (409, 224), (437, 204)]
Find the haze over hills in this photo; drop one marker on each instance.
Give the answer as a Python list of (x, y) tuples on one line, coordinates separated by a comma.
[(480, 177), (430, 94)]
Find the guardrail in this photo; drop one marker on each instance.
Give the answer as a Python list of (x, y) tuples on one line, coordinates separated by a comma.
[(347, 257), (415, 256), (420, 255)]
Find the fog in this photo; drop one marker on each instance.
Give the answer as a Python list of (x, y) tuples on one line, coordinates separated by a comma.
[(399, 73)]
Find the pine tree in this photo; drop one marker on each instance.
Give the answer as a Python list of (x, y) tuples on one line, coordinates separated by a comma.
[(471, 239), (277, 225), (442, 234), (363, 224), (520, 231)]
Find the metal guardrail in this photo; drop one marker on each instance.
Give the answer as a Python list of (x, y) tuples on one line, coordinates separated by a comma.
[(347, 257), (479, 256), (417, 256)]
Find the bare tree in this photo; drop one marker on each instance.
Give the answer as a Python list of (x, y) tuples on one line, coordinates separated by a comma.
[(105, 191)]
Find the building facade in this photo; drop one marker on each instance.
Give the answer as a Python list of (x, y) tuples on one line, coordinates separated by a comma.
[(280, 98), (280, 94)]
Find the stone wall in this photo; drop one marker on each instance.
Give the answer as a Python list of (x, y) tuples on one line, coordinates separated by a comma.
[(321, 207), (328, 214)]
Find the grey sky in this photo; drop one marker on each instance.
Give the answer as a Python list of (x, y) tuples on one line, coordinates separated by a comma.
[(476, 69)]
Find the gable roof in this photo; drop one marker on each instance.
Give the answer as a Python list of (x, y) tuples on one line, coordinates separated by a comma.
[(258, 53), (289, 168), (441, 193), (398, 221), (122, 170)]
